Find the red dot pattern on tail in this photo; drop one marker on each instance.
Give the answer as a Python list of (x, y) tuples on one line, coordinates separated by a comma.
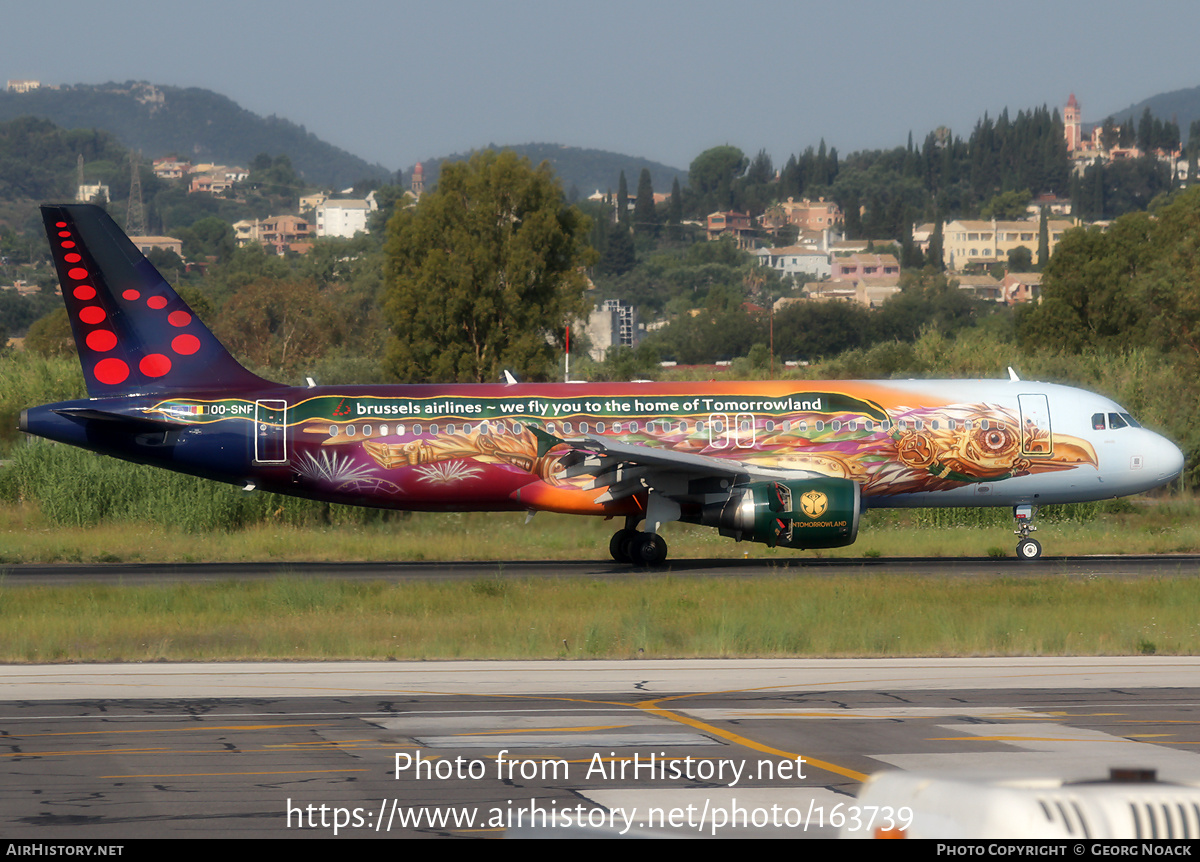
[(112, 370)]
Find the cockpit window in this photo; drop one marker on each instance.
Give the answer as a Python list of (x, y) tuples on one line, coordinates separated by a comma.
[(1130, 420), (1115, 421), (1098, 422)]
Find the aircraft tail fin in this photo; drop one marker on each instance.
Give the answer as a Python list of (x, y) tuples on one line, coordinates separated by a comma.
[(133, 331)]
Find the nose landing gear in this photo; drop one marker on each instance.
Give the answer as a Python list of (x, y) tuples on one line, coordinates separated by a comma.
[(1027, 548)]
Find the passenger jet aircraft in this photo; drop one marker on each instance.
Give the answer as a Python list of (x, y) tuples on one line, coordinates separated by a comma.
[(788, 463)]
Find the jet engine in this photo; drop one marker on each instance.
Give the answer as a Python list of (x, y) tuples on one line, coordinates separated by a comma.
[(794, 513)]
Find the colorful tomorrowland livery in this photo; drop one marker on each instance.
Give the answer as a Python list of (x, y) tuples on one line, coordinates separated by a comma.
[(789, 463)]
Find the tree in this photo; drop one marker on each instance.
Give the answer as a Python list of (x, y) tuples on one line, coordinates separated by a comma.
[(1007, 206), (711, 177), (1020, 259), (645, 216), (620, 254), (623, 200), (1043, 251), (482, 271), (282, 325)]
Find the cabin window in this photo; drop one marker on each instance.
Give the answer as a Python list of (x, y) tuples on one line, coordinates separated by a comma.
[(583, 427), (366, 430), (333, 430), (399, 429), (868, 425), (349, 430), (433, 430), (802, 426), (633, 427), (984, 424), (770, 425), (835, 425), (417, 430), (599, 427), (683, 426), (550, 427), (617, 427), (567, 428), (517, 428), (820, 425)]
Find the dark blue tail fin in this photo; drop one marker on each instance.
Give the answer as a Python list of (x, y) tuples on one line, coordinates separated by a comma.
[(133, 332)]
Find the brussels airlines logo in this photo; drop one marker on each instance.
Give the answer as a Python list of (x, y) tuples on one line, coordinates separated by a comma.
[(814, 504)]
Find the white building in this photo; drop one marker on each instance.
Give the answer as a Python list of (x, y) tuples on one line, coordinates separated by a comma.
[(796, 260), (344, 217), (88, 193)]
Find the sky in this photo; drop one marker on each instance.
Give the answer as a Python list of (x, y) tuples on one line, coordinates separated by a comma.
[(400, 82)]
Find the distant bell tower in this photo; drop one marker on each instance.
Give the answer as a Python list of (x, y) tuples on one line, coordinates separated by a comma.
[(1072, 126), (418, 180)]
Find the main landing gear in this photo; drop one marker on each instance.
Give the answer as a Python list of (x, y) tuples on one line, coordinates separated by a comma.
[(1027, 548), (641, 549)]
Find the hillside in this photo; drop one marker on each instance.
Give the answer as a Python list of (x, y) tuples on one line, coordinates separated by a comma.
[(193, 123), (587, 170), (1182, 106)]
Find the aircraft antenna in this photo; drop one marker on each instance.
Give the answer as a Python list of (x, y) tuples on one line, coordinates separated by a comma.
[(135, 219)]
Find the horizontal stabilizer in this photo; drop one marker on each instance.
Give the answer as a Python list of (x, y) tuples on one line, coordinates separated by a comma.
[(140, 424)]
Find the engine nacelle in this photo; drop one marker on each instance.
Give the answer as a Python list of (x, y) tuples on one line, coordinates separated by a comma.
[(794, 513)]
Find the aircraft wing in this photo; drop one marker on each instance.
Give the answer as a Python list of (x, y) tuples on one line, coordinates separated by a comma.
[(624, 469)]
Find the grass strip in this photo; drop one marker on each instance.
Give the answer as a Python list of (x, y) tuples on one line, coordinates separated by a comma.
[(654, 617)]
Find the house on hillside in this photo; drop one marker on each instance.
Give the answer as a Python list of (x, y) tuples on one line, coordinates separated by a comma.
[(738, 225), (795, 260), (343, 218), (967, 241)]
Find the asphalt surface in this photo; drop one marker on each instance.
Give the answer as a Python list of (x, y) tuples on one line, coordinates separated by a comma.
[(493, 749)]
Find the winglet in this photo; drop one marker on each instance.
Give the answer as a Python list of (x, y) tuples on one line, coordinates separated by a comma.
[(545, 441), (1012, 376)]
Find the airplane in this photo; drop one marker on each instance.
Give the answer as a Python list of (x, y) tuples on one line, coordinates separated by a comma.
[(785, 463)]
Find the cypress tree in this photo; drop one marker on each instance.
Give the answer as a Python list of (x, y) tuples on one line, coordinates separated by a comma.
[(645, 216)]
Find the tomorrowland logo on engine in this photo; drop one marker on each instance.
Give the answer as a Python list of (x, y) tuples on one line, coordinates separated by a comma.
[(814, 504)]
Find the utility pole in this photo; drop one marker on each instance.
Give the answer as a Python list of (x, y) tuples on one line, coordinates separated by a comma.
[(135, 218)]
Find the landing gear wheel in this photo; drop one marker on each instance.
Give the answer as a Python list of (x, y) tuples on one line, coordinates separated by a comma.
[(1029, 549), (621, 545), (650, 550)]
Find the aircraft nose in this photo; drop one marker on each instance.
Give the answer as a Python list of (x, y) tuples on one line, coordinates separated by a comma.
[(1166, 460)]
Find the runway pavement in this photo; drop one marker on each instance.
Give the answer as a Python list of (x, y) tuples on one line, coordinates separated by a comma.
[(485, 749)]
